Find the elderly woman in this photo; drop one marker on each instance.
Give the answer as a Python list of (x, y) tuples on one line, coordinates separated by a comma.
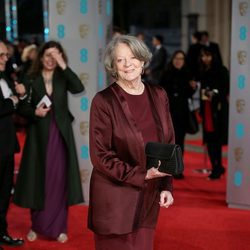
[(125, 197)]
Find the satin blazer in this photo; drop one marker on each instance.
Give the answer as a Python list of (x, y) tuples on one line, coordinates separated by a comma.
[(119, 163)]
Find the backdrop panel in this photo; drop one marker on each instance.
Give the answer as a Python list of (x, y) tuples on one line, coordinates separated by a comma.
[(83, 28), (238, 184)]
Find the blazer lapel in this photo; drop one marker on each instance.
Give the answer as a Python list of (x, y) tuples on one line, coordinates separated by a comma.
[(118, 92), (116, 89), (38, 86)]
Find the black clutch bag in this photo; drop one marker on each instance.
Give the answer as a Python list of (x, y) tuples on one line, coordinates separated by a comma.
[(169, 155)]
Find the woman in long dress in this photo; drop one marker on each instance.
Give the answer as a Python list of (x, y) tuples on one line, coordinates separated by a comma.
[(49, 179)]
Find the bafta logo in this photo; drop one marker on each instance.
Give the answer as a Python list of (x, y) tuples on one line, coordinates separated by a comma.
[(84, 173), (83, 30), (242, 57), (243, 6), (240, 105), (84, 127), (60, 7), (100, 7), (84, 77), (238, 153)]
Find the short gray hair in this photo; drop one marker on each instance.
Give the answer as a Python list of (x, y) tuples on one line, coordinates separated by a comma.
[(138, 48)]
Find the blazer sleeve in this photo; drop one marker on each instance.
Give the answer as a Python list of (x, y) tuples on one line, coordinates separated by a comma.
[(102, 151), (74, 84)]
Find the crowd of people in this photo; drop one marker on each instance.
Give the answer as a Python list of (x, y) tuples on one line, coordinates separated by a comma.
[(147, 100), (49, 179)]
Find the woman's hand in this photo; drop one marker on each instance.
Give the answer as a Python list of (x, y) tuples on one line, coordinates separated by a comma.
[(57, 55), (166, 199), (42, 111), (155, 173)]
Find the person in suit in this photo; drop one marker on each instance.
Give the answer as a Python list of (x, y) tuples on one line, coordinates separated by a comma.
[(214, 47), (125, 197), (193, 53), (158, 62), (9, 99), (49, 178)]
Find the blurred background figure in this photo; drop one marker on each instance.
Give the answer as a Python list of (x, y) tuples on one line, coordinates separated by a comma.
[(141, 36), (157, 64), (28, 56), (214, 47), (193, 53), (177, 81), (13, 63), (117, 31), (214, 79), (193, 62)]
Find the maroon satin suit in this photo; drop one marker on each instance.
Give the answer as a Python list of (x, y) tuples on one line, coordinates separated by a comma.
[(117, 188)]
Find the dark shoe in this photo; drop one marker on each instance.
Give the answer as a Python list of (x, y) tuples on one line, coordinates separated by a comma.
[(8, 240), (216, 173)]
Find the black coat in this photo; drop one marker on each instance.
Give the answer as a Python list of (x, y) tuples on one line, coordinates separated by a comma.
[(157, 64), (193, 56), (176, 84), (30, 184), (217, 78), (8, 140)]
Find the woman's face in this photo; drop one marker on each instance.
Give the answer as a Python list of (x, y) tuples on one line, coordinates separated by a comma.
[(206, 59), (48, 61), (178, 60), (128, 67)]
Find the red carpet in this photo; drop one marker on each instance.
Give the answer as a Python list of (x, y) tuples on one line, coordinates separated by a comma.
[(199, 219)]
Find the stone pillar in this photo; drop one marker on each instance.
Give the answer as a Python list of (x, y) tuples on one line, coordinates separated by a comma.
[(219, 25), (83, 28), (213, 16), (192, 7), (238, 181)]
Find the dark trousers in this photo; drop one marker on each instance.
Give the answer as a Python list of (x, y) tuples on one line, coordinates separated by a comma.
[(180, 138), (214, 149), (6, 183)]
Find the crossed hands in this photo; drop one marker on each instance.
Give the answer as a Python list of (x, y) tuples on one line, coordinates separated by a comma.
[(20, 90)]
